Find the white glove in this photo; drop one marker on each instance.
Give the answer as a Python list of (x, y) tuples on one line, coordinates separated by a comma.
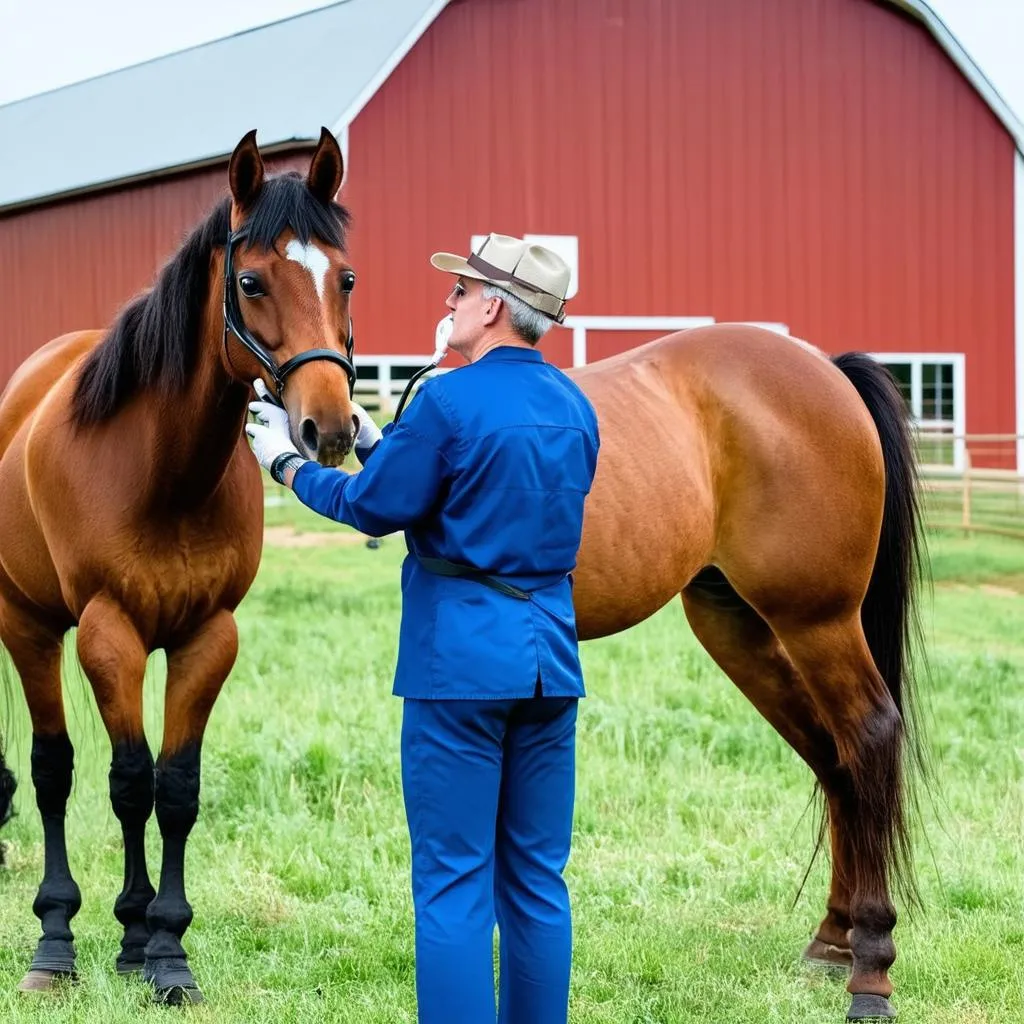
[(267, 410), (268, 444), (369, 433), (271, 437), (442, 334)]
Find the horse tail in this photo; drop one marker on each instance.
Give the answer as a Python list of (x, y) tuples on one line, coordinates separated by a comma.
[(889, 614)]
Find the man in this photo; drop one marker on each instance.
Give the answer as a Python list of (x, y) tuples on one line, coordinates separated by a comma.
[(487, 472)]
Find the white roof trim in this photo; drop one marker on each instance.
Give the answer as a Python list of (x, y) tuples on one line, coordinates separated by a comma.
[(384, 72), (945, 38)]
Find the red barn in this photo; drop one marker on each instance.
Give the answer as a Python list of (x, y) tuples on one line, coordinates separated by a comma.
[(838, 168)]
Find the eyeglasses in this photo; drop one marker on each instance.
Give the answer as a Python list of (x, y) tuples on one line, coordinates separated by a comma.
[(458, 290)]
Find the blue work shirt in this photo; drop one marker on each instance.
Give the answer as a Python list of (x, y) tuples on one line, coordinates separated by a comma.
[(488, 467)]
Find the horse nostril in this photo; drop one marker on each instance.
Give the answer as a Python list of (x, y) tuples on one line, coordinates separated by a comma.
[(355, 424), (309, 436)]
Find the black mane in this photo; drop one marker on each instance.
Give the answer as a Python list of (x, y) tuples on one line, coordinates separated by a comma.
[(154, 340)]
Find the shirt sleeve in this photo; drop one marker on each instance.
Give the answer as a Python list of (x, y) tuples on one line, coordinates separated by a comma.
[(398, 486)]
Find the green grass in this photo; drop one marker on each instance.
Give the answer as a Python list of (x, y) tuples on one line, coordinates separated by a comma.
[(691, 832)]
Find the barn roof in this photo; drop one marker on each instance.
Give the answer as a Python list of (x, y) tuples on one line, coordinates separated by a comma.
[(191, 108), (288, 78)]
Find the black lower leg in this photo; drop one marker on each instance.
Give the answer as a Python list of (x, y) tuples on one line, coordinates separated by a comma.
[(169, 915), (879, 844), (7, 788), (131, 795), (59, 898)]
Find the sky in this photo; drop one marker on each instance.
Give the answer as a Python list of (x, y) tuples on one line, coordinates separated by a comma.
[(45, 44)]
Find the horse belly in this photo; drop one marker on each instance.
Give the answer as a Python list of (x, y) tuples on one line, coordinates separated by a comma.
[(648, 529)]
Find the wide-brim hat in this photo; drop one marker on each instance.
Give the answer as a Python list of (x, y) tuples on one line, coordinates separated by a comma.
[(530, 272)]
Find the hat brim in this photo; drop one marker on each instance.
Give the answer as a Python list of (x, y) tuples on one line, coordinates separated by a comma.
[(452, 264)]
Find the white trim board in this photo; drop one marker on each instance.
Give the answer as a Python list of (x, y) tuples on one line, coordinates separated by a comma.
[(921, 11), (579, 325), (384, 71), (958, 361)]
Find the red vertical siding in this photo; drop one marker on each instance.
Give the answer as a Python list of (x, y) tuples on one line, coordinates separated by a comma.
[(817, 162), (71, 266)]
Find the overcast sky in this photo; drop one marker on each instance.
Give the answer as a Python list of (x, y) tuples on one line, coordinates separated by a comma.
[(48, 43)]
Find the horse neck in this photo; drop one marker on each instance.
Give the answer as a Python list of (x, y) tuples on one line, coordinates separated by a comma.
[(198, 431)]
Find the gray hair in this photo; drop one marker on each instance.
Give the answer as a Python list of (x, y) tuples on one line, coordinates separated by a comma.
[(529, 324)]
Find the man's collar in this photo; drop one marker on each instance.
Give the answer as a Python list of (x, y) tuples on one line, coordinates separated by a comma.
[(512, 354)]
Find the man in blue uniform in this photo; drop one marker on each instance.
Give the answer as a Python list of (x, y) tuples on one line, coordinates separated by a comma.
[(486, 472)]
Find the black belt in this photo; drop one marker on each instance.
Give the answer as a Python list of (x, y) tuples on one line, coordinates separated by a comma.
[(442, 567)]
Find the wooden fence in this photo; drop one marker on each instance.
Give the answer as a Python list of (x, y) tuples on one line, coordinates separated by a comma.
[(978, 496)]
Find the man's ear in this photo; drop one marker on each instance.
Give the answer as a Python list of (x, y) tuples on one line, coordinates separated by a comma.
[(493, 310)]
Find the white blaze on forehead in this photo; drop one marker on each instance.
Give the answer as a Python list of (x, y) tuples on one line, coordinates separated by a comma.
[(313, 259)]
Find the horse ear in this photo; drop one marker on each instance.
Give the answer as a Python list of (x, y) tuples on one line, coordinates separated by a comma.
[(327, 168), (245, 171)]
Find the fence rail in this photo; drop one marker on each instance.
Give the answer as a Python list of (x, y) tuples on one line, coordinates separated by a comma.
[(984, 496)]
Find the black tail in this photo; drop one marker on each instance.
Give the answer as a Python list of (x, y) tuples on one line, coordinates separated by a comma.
[(889, 614)]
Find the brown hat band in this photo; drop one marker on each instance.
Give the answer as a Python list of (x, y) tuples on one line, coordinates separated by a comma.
[(497, 274)]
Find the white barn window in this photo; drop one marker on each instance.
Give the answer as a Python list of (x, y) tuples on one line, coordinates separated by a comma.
[(933, 388)]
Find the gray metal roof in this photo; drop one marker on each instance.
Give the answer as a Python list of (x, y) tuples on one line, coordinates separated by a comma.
[(286, 79)]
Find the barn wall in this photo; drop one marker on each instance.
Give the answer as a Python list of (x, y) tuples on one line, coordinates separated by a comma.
[(821, 163)]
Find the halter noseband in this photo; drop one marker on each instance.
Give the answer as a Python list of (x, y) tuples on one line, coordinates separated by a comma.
[(235, 324)]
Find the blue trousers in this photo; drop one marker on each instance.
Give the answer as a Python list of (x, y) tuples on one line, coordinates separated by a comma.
[(489, 787)]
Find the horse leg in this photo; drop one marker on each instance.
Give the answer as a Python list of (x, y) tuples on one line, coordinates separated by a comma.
[(744, 647), (860, 712), (113, 657), (35, 650), (196, 670)]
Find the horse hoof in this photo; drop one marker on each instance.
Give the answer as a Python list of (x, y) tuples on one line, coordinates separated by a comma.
[(178, 995), (870, 1007), (46, 981), (824, 954), (128, 965)]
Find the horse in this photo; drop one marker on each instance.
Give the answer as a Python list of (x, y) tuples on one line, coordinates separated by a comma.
[(131, 506), (774, 489)]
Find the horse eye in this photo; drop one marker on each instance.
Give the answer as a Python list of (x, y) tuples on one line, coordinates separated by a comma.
[(250, 285), (348, 281)]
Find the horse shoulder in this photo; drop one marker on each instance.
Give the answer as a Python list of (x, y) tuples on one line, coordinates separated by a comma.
[(33, 380)]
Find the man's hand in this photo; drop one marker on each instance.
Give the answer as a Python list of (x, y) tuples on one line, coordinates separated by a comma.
[(268, 445), (270, 437), (267, 410), (369, 433)]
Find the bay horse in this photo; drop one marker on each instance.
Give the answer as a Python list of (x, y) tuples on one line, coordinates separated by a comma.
[(775, 490), (131, 506)]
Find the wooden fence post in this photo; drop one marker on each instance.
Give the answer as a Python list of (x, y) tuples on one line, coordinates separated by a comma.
[(966, 513)]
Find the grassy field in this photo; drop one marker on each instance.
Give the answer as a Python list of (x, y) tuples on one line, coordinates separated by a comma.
[(691, 831)]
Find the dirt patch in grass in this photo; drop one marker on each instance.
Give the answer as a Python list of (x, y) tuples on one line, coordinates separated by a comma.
[(287, 537), (1008, 586)]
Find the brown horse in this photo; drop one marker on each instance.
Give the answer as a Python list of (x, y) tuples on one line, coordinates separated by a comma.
[(132, 507), (775, 490)]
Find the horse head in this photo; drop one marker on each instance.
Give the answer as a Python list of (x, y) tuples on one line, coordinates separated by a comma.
[(287, 294)]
